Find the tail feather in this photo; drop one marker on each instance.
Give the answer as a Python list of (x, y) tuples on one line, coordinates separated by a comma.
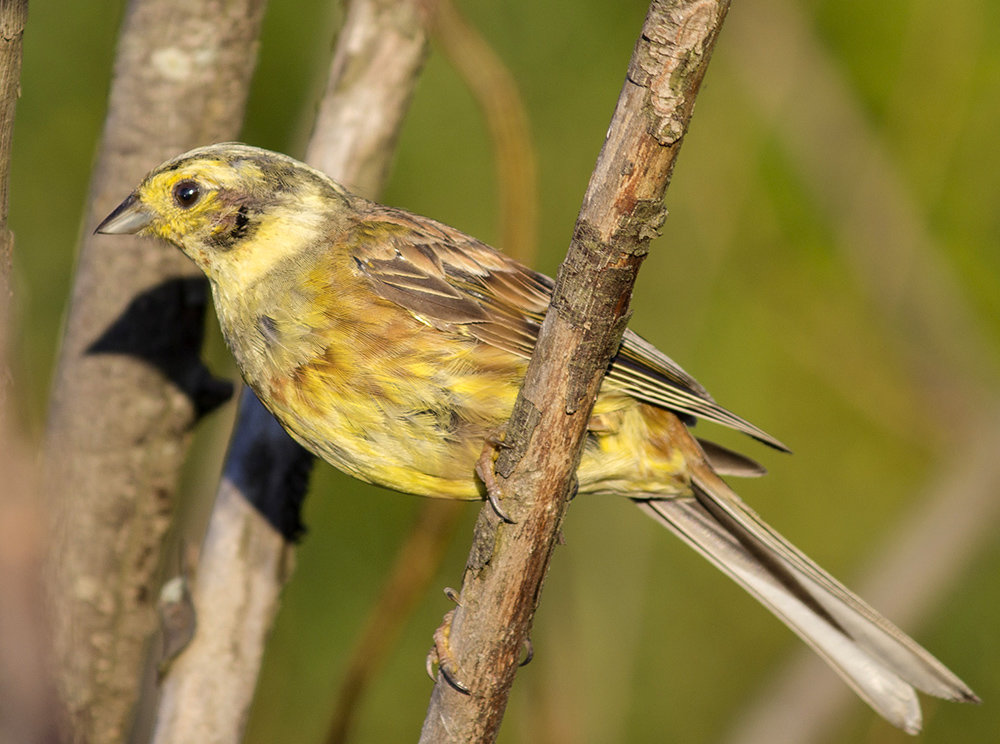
[(880, 662)]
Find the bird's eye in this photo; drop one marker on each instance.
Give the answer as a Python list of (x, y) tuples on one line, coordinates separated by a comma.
[(186, 193)]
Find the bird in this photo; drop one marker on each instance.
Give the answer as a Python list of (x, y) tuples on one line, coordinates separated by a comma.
[(393, 347)]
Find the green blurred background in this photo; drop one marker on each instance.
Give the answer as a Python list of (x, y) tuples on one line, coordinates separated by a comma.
[(830, 270)]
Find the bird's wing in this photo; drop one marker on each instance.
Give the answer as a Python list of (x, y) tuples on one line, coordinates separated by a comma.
[(450, 280), (458, 283), (651, 376)]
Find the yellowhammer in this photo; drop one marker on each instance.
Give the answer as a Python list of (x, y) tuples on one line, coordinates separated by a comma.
[(393, 346)]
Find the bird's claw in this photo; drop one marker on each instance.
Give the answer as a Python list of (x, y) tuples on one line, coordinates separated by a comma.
[(529, 653), (441, 654), (484, 469)]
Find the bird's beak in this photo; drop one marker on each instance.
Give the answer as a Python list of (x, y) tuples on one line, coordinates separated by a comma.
[(128, 218)]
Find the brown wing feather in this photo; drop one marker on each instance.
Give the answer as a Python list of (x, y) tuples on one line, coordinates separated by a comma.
[(450, 279), (456, 282)]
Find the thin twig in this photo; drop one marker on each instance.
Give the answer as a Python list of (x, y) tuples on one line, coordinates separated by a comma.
[(28, 705), (622, 210)]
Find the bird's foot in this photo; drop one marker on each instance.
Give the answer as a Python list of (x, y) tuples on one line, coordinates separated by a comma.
[(484, 469), (442, 655)]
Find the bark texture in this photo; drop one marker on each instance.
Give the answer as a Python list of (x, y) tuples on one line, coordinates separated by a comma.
[(13, 16), (129, 384), (247, 550), (622, 210)]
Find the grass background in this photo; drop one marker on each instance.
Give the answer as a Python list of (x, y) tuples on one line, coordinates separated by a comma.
[(754, 287)]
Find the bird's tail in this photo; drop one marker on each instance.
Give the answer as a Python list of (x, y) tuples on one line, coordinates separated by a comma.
[(880, 662)]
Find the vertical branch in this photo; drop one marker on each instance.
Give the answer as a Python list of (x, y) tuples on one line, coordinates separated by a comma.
[(13, 15), (379, 54), (622, 210), (27, 704), (129, 384)]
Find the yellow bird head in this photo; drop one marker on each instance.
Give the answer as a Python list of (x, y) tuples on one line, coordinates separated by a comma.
[(216, 203)]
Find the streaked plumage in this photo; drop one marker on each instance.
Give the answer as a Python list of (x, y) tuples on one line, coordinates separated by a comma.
[(393, 347)]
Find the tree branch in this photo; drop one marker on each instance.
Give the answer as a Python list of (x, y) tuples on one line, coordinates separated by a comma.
[(622, 210), (129, 384), (27, 699), (13, 15), (379, 54)]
